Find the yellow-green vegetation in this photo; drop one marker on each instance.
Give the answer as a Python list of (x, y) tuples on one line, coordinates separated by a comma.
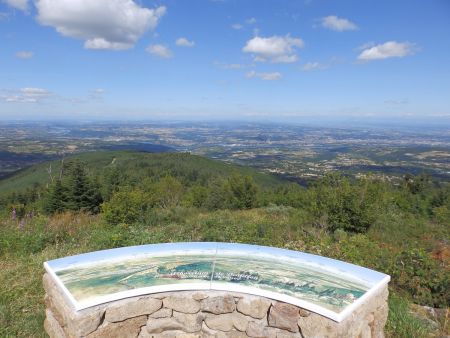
[(147, 198)]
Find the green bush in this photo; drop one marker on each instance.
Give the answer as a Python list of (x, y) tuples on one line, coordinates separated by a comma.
[(422, 277), (126, 206)]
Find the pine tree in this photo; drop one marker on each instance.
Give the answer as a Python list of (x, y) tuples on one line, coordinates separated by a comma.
[(57, 199), (82, 194), (243, 191)]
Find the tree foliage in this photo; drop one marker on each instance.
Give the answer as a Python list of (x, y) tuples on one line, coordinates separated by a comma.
[(73, 191)]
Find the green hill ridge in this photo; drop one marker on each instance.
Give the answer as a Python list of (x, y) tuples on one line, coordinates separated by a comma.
[(138, 165)]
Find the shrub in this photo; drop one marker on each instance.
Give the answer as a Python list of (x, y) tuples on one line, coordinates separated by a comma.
[(422, 277), (126, 206)]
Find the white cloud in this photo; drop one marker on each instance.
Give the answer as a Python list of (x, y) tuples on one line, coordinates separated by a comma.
[(224, 65), (387, 50), (183, 42), (264, 76), (238, 26), (34, 91), (310, 66), (233, 66), (160, 51), (397, 101), (276, 49), (338, 24), (366, 46), (27, 95), (95, 95), (103, 24), (18, 4), (24, 54)]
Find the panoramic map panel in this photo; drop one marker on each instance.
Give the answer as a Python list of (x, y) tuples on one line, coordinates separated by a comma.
[(85, 283), (104, 276)]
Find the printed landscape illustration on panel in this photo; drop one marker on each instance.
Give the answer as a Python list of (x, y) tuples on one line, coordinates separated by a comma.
[(326, 283)]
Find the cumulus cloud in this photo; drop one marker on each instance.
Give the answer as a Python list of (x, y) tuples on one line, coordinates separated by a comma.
[(338, 24), (27, 95), (18, 4), (237, 26), (250, 21), (160, 51), (310, 66), (183, 42), (24, 54), (276, 49), (103, 24), (264, 76), (387, 50)]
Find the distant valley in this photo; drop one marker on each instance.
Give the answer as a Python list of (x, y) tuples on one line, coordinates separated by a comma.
[(292, 151)]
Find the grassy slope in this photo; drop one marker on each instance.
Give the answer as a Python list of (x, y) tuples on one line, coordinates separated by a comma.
[(97, 161), (22, 253)]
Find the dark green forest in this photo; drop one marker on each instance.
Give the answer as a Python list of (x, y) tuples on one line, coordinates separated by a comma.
[(110, 199)]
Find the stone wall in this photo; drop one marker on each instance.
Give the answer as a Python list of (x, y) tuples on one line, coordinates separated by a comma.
[(190, 314)]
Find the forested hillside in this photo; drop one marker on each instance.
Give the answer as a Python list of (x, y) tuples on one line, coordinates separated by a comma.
[(102, 200)]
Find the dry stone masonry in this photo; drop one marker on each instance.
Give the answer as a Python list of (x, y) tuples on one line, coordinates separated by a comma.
[(192, 314)]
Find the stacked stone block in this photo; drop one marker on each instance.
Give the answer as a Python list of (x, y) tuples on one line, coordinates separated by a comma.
[(192, 314)]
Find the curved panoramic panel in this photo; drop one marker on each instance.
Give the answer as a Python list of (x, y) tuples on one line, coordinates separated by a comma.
[(326, 286)]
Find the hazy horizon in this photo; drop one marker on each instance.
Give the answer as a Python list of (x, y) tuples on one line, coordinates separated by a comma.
[(326, 121)]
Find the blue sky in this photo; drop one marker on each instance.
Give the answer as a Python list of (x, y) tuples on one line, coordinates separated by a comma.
[(224, 59)]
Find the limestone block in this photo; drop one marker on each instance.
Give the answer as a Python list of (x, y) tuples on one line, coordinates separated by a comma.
[(127, 328), (162, 313), (256, 330), (179, 322), (129, 308), (159, 325), (240, 322), (234, 334), (254, 307), (366, 332), (286, 334), (303, 313), (223, 322), (206, 331), (182, 304), (210, 333), (316, 326), (188, 335), (218, 305), (51, 306), (284, 316), (144, 334), (191, 322), (199, 296), (75, 324), (168, 334), (380, 318), (52, 327)]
